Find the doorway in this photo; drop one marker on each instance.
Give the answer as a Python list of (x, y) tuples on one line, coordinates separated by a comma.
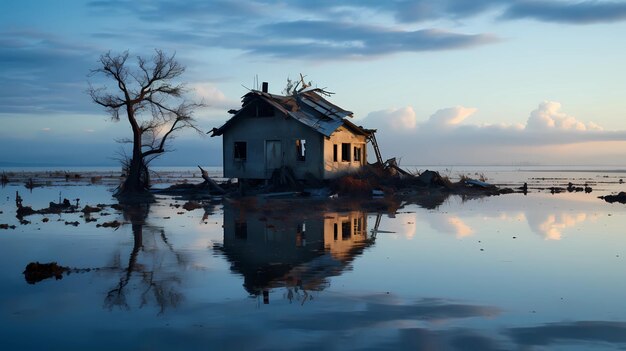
[(273, 156)]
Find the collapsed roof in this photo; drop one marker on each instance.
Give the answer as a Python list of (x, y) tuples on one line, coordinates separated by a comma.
[(305, 106)]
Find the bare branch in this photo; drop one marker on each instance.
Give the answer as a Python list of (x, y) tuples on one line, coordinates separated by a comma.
[(148, 95)]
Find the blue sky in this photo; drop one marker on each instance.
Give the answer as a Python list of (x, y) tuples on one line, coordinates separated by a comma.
[(445, 82)]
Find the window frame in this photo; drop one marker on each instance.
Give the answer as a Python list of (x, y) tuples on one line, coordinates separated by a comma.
[(346, 156), (301, 150), (357, 156), (237, 151)]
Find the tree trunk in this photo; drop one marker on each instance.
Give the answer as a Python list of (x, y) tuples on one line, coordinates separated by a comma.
[(134, 183)]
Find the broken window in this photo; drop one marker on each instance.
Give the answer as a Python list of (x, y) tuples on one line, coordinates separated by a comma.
[(241, 150), (301, 150), (335, 153), (345, 152), (357, 153), (301, 235)]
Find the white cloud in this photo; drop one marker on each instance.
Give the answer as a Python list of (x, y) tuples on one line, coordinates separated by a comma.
[(450, 117), (548, 116), (448, 137), (398, 119), (212, 96)]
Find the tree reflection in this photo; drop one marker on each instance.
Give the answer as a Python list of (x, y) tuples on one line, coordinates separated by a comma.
[(148, 270)]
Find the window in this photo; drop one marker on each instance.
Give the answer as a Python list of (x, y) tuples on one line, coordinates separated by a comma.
[(358, 226), (335, 230), (335, 153), (241, 230), (345, 230), (301, 150), (357, 153), (301, 235), (241, 150), (345, 152)]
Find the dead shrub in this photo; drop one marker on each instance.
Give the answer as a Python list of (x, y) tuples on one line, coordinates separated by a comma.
[(352, 186)]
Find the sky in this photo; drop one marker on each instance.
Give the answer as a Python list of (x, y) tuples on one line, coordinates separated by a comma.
[(445, 82)]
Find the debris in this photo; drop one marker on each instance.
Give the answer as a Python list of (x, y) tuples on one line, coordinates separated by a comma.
[(391, 165), (112, 224), (430, 178), (88, 209), (192, 205), (60, 206), (352, 186), (211, 182), (36, 272), (572, 188), (29, 184), (556, 190), (75, 223), (479, 183), (6, 226), (621, 198), (25, 211)]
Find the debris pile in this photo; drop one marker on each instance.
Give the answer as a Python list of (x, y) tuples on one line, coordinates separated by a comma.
[(389, 179), (36, 272), (621, 198)]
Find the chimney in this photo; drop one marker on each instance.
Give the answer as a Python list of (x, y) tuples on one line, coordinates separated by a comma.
[(264, 88)]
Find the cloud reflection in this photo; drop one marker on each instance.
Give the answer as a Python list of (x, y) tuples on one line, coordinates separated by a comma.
[(558, 333), (378, 309), (552, 226), (449, 224)]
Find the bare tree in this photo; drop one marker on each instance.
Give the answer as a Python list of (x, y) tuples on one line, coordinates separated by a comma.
[(153, 103)]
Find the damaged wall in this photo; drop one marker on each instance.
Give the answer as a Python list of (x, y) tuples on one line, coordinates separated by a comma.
[(336, 163), (271, 143)]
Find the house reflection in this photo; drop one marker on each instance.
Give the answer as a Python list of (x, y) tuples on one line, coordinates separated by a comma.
[(297, 252)]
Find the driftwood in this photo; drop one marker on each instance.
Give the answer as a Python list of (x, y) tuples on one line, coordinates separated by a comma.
[(211, 182), (392, 165)]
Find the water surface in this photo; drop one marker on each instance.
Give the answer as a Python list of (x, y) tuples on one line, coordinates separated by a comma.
[(532, 272)]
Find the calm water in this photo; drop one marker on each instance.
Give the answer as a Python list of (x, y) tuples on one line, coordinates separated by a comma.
[(533, 272)]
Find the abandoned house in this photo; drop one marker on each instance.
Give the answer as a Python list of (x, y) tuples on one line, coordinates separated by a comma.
[(302, 131)]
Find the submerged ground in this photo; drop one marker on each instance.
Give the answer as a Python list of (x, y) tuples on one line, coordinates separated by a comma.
[(529, 272)]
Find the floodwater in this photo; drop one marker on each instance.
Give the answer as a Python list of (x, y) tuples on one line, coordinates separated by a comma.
[(537, 272)]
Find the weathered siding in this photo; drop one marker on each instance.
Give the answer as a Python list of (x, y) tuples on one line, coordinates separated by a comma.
[(256, 131), (334, 168)]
